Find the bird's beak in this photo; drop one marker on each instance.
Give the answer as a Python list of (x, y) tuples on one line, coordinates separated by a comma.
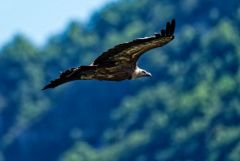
[(149, 75)]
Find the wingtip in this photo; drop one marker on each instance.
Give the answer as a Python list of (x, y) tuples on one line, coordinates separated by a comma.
[(48, 86), (172, 27), (44, 88), (163, 32), (168, 29)]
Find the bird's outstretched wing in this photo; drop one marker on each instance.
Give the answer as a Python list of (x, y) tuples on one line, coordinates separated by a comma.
[(128, 53), (82, 72)]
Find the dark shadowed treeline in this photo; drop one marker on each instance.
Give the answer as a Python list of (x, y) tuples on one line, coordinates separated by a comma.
[(188, 110)]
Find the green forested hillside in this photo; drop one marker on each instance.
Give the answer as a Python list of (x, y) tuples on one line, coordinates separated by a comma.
[(188, 110)]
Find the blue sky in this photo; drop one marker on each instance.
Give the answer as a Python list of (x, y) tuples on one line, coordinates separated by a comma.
[(40, 19)]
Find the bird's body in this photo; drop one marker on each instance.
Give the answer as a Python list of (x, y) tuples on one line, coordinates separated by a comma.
[(99, 73), (118, 63)]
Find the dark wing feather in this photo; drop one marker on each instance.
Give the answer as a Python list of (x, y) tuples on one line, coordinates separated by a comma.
[(128, 53), (70, 75)]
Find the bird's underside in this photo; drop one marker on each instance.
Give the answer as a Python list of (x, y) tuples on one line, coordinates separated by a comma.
[(118, 63)]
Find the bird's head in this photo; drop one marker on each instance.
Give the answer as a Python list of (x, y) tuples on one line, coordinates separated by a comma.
[(138, 73), (144, 73)]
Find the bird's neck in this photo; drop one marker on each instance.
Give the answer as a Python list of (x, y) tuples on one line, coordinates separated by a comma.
[(136, 73)]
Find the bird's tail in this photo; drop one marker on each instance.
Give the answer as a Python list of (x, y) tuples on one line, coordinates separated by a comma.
[(67, 76)]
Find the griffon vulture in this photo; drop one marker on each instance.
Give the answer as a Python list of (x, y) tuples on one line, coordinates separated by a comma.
[(118, 63)]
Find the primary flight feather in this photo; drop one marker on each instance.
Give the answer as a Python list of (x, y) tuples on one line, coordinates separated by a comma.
[(118, 63)]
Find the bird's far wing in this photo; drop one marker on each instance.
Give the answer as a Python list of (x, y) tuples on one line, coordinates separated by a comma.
[(128, 53)]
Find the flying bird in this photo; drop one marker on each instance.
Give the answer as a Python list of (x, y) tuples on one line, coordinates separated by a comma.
[(118, 63)]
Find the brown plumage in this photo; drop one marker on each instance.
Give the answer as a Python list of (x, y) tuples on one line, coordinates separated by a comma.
[(118, 63)]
